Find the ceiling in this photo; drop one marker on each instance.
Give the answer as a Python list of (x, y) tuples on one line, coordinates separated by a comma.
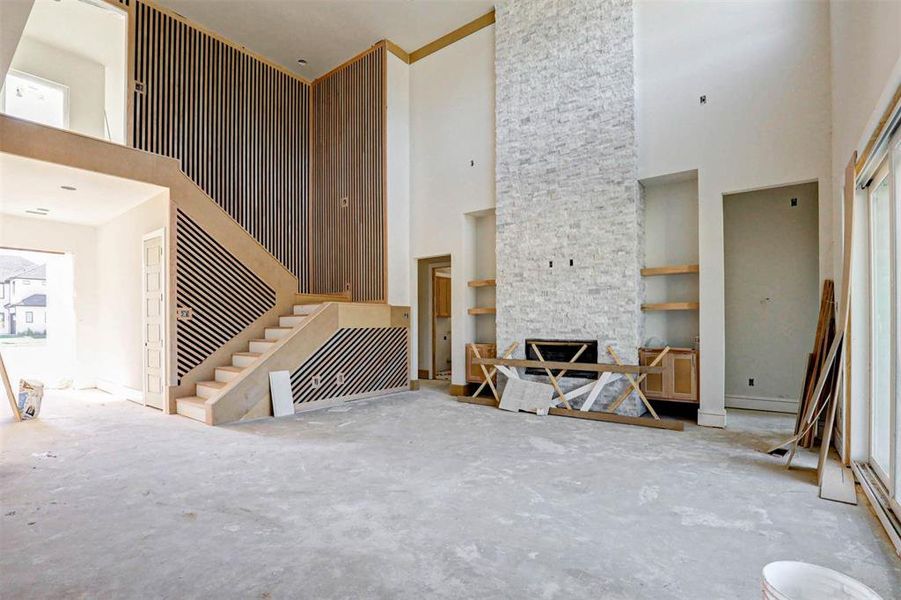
[(27, 184), (327, 32)]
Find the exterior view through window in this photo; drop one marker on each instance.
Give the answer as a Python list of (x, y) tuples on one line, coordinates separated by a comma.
[(23, 297)]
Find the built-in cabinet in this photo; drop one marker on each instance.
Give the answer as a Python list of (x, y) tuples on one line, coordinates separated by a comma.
[(680, 377), (442, 295)]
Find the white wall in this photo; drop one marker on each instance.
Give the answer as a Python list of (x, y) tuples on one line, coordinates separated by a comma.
[(13, 17), (866, 71), (84, 78), (764, 67), (452, 165), (399, 268), (772, 294), (671, 238), (73, 358), (120, 297)]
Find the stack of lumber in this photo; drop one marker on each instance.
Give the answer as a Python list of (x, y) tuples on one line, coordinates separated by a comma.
[(816, 363)]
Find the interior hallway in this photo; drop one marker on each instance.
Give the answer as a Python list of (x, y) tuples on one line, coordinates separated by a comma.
[(410, 496)]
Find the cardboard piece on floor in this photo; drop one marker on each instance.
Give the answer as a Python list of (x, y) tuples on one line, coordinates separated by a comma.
[(280, 392), (531, 396), (837, 483), (13, 404)]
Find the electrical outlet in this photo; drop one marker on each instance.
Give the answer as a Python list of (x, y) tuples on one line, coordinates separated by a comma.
[(550, 264), (316, 382), (570, 262), (751, 382), (344, 202), (704, 99), (184, 314), (794, 202), (339, 378)]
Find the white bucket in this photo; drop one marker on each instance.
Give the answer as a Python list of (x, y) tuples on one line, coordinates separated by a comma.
[(791, 580)]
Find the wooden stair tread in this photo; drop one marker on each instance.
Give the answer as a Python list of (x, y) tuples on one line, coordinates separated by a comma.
[(249, 354), (262, 340), (192, 400), (283, 328), (232, 369), (213, 384)]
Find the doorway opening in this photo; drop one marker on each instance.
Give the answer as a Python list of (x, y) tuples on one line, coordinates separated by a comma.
[(435, 318), (772, 287)]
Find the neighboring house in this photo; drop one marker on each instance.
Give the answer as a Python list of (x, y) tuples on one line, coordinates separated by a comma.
[(23, 296), (28, 315)]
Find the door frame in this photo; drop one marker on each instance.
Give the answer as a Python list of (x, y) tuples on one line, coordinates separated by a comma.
[(163, 233), (434, 318), (883, 172)]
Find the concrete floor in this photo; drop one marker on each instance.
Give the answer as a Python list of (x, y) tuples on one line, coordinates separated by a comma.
[(412, 496)]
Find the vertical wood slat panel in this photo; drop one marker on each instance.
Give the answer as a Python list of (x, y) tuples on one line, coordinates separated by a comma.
[(238, 125), (348, 162)]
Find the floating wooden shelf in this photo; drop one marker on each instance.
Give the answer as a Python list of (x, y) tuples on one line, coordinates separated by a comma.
[(671, 306), (482, 283), (482, 310), (670, 270)]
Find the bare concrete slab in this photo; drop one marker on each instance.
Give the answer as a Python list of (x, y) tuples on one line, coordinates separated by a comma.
[(412, 496)]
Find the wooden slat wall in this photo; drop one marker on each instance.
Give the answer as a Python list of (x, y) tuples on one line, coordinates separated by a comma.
[(239, 126), (349, 114)]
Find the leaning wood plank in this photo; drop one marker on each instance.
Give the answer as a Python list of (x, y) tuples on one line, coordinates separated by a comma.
[(625, 393), (634, 385), (13, 405), (592, 416), (826, 442), (553, 379), (838, 483), (614, 418), (505, 354), (602, 381), (475, 351), (549, 364)]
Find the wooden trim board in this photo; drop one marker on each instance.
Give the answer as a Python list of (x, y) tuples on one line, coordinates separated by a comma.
[(482, 283), (550, 364), (454, 36), (482, 310), (668, 424), (861, 161)]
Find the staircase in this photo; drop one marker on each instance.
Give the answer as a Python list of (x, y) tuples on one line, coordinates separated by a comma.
[(206, 392)]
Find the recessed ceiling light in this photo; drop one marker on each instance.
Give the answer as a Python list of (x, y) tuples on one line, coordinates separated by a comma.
[(68, 188), (302, 62)]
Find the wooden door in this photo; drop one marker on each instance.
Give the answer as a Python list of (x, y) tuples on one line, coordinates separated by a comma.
[(684, 376), (653, 385), (154, 326), (442, 296)]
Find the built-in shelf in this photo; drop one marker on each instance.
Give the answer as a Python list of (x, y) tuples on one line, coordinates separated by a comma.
[(670, 270), (671, 306), (482, 310), (482, 283)]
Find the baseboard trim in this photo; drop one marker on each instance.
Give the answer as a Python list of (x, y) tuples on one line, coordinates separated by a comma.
[(781, 405), (706, 419), (456, 389), (414, 385), (117, 389), (330, 402)]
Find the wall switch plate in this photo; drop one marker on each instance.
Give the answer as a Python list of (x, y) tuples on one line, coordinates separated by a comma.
[(184, 314)]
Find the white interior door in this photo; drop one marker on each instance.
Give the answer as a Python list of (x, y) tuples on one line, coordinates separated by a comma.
[(154, 327)]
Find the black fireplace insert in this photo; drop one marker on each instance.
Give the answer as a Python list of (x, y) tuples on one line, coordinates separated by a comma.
[(563, 351)]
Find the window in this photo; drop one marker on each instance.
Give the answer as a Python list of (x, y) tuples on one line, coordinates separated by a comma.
[(35, 99), (29, 316)]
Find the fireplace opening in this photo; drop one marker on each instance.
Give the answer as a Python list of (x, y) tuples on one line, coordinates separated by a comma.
[(563, 351)]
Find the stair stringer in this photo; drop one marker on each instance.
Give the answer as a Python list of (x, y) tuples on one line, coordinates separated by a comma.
[(247, 396)]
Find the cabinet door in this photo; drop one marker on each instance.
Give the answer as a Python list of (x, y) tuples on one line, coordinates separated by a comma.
[(442, 291), (684, 373), (474, 372), (652, 386)]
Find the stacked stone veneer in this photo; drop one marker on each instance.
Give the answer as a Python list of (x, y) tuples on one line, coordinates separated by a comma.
[(566, 177)]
